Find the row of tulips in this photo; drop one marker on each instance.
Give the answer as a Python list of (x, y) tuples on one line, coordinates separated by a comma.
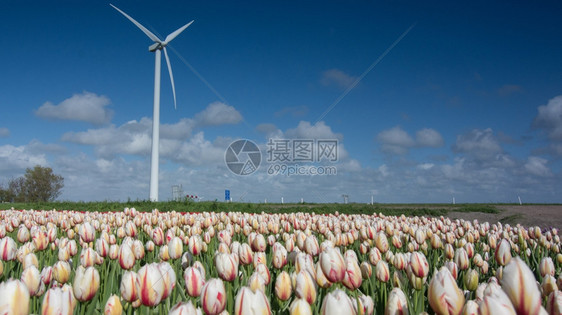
[(68, 262)]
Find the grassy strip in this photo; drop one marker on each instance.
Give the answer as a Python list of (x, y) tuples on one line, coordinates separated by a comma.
[(214, 206)]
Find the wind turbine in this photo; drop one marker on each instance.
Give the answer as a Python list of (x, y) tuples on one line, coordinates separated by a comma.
[(157, 47)]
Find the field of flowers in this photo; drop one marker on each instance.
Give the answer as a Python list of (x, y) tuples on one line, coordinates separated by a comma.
[(130, 262)]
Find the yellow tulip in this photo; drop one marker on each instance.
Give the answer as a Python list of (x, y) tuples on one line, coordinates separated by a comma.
[(113, 306), (300, 307), (61, 271), (283, 288), (14, 298), (548, 285)]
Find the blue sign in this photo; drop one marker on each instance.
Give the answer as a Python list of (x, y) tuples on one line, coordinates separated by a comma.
[(227, 195)]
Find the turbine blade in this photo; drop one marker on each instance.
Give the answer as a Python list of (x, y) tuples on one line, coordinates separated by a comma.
[(171, 76), (142, 28), (173, 35)]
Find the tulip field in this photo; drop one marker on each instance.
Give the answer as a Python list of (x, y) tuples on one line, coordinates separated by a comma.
[(132, 262)]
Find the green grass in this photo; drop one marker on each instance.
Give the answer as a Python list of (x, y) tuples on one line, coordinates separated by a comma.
[(214, 206), (511, 219)]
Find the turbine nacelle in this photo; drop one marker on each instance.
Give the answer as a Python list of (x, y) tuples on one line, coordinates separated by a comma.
[(156, 46)]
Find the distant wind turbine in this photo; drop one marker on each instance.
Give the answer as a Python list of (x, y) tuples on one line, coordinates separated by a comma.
[(156, 48)]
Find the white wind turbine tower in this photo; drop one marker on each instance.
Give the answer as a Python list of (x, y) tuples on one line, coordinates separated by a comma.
[(156, 48)]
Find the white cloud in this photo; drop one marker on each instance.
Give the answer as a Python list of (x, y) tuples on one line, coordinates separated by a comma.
[(15, 159), (135, 137), (397, 141), (537, 166), (425, 166), (338, 78), (481, 144), (87, 107), (4, 132), (218, 113), (429, 138), (305, 130), (549, 118)]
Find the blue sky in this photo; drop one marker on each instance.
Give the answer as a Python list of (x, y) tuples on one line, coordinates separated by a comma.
[(468, 104)]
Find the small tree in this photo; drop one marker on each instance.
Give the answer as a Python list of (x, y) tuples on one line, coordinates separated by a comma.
[(5, 195), (16, 189), (40, 184)]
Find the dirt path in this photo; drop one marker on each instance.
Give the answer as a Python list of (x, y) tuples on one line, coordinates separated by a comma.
[(544, 216)]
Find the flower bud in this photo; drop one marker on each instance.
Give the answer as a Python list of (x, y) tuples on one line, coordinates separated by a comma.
[(554, 303), (14, 298), (503, 252), (250, 302), (113, 306), (86, 283), (546, 267), (59, 301), (305, 287), (283, 288), (213, 297), (227, 266), (8, 249), (300, 307), (471, 280), (194, 281), (382, 272), (61, 271), (519, 284), (32, 280), (336, 303), (130, 286), (444, 295), (185, 308), (419, 264), (396, 303), (151, 285)]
